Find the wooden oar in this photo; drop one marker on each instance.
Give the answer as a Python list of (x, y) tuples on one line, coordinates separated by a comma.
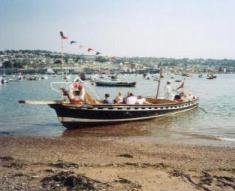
[(39, 102)]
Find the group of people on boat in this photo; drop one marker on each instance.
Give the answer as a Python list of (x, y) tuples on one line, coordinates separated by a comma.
[(130, 99), (77, 93)]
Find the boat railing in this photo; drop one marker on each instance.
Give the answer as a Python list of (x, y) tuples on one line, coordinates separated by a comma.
[(56, 86)]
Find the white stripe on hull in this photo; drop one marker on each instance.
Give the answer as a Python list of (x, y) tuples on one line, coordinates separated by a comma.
[(84, 120), (138, 107)]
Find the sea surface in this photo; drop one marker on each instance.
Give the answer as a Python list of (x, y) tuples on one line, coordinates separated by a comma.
[(213, 123)]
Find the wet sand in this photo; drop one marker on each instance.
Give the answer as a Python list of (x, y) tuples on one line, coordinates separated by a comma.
[(99, 163)]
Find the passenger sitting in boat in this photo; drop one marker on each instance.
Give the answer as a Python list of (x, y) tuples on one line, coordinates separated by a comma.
[(125, 98), (140, 100), (168, 91), (131, 99), (107, 99), (119, 98)]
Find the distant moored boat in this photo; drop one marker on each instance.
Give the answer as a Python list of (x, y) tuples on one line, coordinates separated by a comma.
[(211, 76), (115, 83)]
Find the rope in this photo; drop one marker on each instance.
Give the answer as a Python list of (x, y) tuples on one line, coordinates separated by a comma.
[(202, 109)]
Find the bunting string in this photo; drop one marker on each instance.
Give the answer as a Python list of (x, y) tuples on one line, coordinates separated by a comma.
[(81, 46)]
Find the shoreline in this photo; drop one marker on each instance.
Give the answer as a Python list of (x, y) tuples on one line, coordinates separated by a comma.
[(112, 164)]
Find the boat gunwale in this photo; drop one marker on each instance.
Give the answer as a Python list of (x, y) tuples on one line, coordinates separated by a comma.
[(194, 101)]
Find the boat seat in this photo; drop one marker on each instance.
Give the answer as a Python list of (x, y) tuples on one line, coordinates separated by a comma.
[(159, 101)]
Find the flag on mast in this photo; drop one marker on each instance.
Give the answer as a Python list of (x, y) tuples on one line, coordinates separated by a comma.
[(181, 85), (62, 35)]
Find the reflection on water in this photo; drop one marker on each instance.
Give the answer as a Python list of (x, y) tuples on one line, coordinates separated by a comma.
[(119, 130), (214, 121)]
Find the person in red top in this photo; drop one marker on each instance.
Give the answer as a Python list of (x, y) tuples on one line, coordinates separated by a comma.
[(76, 93)]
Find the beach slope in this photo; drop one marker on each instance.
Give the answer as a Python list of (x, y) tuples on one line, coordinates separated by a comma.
[(95, 163)]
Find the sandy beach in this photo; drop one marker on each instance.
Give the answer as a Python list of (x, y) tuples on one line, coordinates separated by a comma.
[(98, 163)]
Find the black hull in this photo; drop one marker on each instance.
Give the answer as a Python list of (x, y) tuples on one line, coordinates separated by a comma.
[(75, 116), (116, 84)]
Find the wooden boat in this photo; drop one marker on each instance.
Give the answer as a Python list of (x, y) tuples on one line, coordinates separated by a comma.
[(115, 83), (91, 113)]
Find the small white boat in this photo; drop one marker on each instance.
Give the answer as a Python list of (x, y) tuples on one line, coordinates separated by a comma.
[(211, 76), (20, 77), (3, 80), (44, 77)]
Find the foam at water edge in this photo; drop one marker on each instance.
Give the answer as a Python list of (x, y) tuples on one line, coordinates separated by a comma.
[(226, 139)]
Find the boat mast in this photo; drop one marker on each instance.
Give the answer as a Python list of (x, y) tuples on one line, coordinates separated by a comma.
[(62, 54), (159, 82)]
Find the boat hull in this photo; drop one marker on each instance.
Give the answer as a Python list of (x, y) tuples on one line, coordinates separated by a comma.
[(116, 84), (75, 116)]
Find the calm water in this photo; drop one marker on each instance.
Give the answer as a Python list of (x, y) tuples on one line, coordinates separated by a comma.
[(213, 123)]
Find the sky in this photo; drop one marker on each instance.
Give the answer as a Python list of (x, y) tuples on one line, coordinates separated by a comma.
[(156, 28)]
